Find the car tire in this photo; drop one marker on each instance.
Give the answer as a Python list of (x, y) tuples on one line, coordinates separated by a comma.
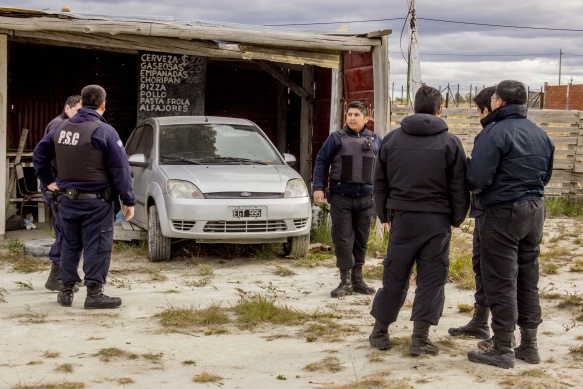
[(38, 248), (158, 244), (297, 246)]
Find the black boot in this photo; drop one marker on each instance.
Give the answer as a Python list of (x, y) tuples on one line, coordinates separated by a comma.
[(478, 325), (345, 286), (420, 343), (54, 283), (65, 296), (97, 300), (358, 284), (501, 355), (528, 350), (379, 337), (488, 344)]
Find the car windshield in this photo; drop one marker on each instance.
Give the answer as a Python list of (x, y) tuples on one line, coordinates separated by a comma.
[(207, 143)]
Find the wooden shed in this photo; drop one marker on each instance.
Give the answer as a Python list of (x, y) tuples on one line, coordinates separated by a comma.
[(293, 84)]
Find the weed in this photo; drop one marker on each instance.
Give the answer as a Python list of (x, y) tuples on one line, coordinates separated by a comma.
[(538, 373), (550, 268), (31, 318), (376, 356), (263, 251), (373, 272), (190, 317), (158, 277), (321, 231), (95, 338), (283, 271), (198, 283), (14, 246), (125, 381), (205, 270), (35, 363), (206, 377), (576, 348), (65, 368), (107, 354), (558, 206), (24, 285), (312, 260), (378, 241), (579, 337), (571, 300), (331, 364), (51, 354), (461, 271), (189, 362), (463, 308), (280, 377), (215, 330), (134, 248), (254, 308), (50, 385), (152, 356), (372, 382), (328, 330), (578, 266), (169, 291), (27, 265), (554, 254)]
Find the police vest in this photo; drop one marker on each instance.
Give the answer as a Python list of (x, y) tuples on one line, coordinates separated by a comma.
[(354, 162), (76, 158)]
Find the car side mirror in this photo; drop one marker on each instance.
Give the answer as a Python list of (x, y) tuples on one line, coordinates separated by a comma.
[(289, 159), (137, 160)]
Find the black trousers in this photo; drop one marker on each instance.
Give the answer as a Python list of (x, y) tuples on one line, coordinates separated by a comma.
[(480, 295), (351, 219), (510, 240), (416, 238)]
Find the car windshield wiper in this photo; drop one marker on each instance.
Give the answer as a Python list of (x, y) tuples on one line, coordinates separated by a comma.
[(231, 159), (173, 158)]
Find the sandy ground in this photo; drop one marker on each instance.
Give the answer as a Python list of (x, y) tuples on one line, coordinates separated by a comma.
[(39, 338)]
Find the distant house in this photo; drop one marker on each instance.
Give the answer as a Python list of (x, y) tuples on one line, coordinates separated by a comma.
[(293, 84)]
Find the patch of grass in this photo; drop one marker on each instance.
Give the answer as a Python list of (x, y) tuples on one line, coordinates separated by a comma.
[(107, 354), (461, 271), (205, 269), (284, 271), (555, 253), (328, 330), (134, 248), (215, 331), (35, 363), (65, 368), (31, 317), (376, 356), (51, 354), (152, 356), (52, 385), (550, 268), (24, 285), (280, 377), (158, 277), (576, 348), (206, 377), (27, 264), (14, 246), (538, 373), (174, 318), (578, 266), (312, 260), (559, 206), (377, 380), (331, 364), (263, 251), (321, 232), (373, 272), (571, 300), (198, 283), (125, 381), (550, 295), (255, 308), (464, 308), (378, 242), (169, 291)]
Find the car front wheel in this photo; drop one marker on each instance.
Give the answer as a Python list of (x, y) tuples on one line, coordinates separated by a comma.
[(158, 244), (297, 246)]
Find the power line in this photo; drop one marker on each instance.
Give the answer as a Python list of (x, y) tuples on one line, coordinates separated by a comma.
[(314, 23)]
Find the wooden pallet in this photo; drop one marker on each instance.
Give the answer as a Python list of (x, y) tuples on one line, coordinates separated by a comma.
[(127, 231)]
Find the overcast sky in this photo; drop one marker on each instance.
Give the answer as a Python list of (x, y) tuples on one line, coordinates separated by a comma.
[(454, 53)]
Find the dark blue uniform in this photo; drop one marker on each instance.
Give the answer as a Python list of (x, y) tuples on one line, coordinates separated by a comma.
[(87, 221)]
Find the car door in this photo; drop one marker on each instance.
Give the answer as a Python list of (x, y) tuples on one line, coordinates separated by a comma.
[(141, 142)]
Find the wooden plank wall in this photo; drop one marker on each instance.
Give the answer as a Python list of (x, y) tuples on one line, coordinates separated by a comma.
[(565, 128)]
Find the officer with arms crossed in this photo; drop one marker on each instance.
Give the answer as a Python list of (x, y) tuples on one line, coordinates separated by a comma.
[(349, 153), (72, 105), (511, 163), (92, 170)]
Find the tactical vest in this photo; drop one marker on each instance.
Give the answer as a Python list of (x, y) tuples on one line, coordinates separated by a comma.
[(76, 158), (354, 162)]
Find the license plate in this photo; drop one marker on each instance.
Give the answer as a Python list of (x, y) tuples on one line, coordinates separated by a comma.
[(246, 213)]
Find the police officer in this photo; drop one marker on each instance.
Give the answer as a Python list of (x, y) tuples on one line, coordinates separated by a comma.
[(511, 163), (420, 193), (72, 105), (349, 153), (92, 170)]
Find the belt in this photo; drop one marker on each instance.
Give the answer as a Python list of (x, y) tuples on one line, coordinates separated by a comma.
[(354, 196), (75, 194)]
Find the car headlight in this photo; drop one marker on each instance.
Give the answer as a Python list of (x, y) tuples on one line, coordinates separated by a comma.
[(296, 188), (178, 189)]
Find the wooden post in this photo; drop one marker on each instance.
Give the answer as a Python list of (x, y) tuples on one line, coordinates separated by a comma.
[(380, 64), (282, 116), (336, 96), (306, 124), (3, 125)]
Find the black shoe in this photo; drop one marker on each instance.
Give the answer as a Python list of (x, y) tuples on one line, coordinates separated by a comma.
[(54, 283), (358, 284), (420, 343), (379, 337), (478, 325), (65, 296), (97, 300), (528, 350), (501, 355), (345, 287)]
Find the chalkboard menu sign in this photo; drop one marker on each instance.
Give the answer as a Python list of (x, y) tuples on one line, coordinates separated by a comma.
[(171, 85)]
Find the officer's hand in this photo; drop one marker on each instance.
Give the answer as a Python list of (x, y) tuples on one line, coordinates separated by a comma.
[(128, 212), (53, 187), (318, 197), (386, 227)]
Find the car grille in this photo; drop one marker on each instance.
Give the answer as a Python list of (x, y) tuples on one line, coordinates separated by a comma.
[(300, 223), (245, 226), (243, 195), (183, 225)]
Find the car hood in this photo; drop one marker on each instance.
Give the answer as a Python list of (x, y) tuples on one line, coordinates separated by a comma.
[(230, 178)]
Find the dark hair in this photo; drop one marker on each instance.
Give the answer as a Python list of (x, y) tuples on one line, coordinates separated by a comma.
[(511, 92), (92, 96), (73, 100), (427, 100), (484, 98), (359, 105)]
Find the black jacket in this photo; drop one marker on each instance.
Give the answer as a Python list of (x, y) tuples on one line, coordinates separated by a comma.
[(512, 158), (421, 167)]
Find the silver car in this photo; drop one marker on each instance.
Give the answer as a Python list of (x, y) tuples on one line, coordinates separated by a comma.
[(215, 180)]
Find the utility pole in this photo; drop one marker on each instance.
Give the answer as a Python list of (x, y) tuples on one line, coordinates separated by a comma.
[(414, 66), (560, 60)]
